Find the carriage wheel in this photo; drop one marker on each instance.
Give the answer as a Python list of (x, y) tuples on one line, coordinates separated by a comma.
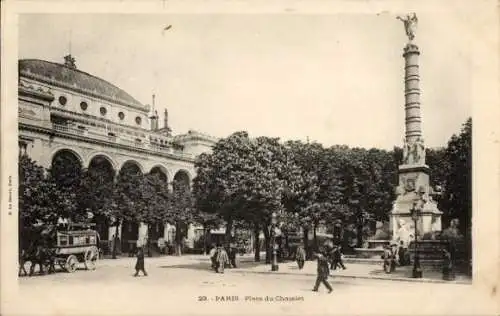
[(71, 263), (90, 258)]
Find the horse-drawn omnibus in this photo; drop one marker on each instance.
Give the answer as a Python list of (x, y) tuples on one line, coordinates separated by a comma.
[(77, 244), (66, 246)]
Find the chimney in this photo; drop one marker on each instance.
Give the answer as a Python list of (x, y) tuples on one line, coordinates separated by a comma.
[(165, 122), (165, 119), (154, 117)]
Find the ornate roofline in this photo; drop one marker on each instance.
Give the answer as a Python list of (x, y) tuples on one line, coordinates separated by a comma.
[(193, 135), (101, 120), (95, 94), (36, 93), (52, 132)]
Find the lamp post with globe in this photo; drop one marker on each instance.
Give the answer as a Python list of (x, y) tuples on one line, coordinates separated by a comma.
[(415, 215)]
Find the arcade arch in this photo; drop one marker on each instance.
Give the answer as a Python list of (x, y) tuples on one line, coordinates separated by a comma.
[(99, 181), (66, 168), (131, 167), (161, 172), (181, 179)]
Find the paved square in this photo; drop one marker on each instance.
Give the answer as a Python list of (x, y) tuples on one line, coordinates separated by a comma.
[(187, 285)]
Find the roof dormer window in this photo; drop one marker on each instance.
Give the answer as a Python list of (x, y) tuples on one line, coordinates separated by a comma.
[(103, 110)]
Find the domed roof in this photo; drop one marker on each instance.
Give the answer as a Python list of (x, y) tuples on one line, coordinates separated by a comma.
[(71, 78)]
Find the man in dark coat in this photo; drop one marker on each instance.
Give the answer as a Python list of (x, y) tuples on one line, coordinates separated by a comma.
[(114, 246), (323, 272), (448, 273), (139, 265), (337, 258), (232, 255)]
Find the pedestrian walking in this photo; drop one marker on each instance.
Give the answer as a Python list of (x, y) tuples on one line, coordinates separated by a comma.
[(213, 257), (300, 256), (139, 265), (222, 259), (232, 256), (337, 258), (113, 247), (389, 260), (323, 272), (448, 273)]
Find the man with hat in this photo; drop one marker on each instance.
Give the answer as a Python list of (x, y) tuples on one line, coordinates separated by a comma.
[(323, 272)]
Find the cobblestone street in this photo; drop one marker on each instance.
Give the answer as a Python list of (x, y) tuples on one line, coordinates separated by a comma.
[(180, 285)]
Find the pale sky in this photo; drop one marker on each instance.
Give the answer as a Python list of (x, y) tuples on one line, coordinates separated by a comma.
[(337, 79)]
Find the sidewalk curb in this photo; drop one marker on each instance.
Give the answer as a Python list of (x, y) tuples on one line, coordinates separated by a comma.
[(360, 277)]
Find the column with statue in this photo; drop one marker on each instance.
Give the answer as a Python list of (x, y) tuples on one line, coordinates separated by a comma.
[(414, 183)]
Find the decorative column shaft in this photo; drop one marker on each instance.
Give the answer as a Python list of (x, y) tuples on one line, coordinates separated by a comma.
[(412, 93)]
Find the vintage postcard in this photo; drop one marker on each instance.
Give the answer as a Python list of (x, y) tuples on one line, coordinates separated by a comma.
[(249, 158)]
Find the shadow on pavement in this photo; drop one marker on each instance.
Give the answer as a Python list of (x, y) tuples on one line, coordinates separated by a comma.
[(205, 265)]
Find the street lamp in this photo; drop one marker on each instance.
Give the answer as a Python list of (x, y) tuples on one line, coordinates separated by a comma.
[(415, 213), (274, 266)]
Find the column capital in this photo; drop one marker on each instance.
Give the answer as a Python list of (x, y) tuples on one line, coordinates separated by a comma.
[(411, 48)]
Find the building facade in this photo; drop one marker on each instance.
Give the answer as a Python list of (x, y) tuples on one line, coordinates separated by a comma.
[(67, 113)]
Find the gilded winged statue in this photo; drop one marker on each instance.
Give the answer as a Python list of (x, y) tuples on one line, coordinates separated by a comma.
[(410, 22)]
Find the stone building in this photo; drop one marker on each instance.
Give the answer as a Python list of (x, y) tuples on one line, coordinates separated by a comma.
[(65, 112)]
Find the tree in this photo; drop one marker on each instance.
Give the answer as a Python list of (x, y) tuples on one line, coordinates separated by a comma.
[(240, 180), (95, 194), (219, 175), (153, 202), (41, 201), (263, 186), (208, 221), (180, 212), (227, 181), (366, 180), (66, 172), (438, 165), (301, 184), (125, 205), (456, 201)]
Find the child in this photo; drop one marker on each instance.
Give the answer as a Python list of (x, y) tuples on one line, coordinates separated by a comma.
[(139, 266)]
